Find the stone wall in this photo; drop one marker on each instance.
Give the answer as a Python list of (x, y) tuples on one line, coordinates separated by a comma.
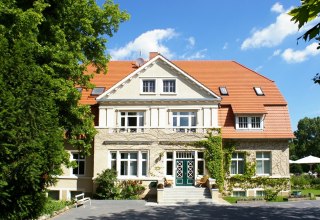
[(279, 153)]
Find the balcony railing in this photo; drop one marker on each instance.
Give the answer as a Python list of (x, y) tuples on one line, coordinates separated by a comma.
[(166, 130)]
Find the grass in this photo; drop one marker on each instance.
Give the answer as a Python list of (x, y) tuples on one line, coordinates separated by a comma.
[(54, 205), (231, 200), (313, 191)]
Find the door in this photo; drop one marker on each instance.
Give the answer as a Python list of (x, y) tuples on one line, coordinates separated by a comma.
[(185, 172)]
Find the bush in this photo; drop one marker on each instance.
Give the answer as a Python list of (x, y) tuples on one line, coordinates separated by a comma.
[(131, 189), (300, 182), (54, 205), (109, 188), (270, 195), (107, 185)]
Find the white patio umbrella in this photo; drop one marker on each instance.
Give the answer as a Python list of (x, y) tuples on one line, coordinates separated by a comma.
[(292, 161), (308, 160)]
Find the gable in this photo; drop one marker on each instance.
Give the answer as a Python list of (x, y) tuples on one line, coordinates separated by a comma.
[(159, 71)]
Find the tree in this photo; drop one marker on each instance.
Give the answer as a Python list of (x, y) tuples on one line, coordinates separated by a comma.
[(307, 12), (45, 46), (307, 141)]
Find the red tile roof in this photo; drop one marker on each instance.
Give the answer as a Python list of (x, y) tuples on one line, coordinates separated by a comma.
[(239, 81)]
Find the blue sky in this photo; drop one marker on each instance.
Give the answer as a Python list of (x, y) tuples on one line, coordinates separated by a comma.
[(257, 34)]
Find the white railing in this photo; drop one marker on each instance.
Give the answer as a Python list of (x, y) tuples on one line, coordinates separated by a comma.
[(166, 130)]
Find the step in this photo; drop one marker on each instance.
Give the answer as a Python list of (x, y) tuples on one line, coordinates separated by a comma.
[(186, 195)]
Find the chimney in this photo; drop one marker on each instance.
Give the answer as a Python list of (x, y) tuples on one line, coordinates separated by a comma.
[(152, 55)]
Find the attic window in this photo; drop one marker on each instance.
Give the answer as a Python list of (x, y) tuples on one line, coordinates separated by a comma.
[(79, 89), (97, 91), (223, 90), (258, 91)]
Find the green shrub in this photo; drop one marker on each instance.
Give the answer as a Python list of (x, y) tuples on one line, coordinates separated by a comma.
[(300, 182), (54, 205), (107, 185), (270, 195), (131, 189), (109, 188)]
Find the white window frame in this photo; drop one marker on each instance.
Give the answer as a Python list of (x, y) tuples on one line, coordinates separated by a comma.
[(169, 159), (78, 160), (239, 190), (126, 116), (251, 124), (190, 115), (139, 161), (175, 86), (197, 161), (238, 159), (148, 79), (263, 159)]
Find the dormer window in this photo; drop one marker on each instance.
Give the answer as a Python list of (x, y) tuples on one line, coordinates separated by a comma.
[(223, 90), (169, 86), (258, 91), (97, 91), (249, 122), (149, 86), (79, 89)]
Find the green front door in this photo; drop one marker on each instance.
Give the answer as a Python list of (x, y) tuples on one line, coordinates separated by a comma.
[(184, 172)]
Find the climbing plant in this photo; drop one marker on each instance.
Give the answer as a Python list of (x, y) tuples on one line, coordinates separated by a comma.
[(213, 155)]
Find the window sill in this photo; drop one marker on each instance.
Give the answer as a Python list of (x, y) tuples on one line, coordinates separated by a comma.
[(249, 129), (148, 93), (169, 93)]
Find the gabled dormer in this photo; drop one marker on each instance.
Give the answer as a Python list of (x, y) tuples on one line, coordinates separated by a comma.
[(158, 79)]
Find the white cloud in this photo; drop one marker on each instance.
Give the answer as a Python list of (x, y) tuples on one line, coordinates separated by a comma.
[(191, 42), (225, 46), (276, 53), (298, 56), (195, 56), (150, 41), (272, 35), (275, 33), (278, 8)]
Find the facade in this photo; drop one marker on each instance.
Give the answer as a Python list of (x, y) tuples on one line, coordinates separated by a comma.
[(148, 112)]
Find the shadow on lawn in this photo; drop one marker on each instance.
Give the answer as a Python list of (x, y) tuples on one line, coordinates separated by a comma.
[(214, 212)]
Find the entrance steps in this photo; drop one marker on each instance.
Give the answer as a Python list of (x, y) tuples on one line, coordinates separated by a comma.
[(186, 195)]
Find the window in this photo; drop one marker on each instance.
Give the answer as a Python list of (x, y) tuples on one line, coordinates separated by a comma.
[(258, 91), (238, 193), (249, 122), (263, 166), (129, 163), (132, 121), (223, 90), (114, 160), (80, 160), (200, 163), (184, 121), (149, 86), (169, 86), (255, 122), (243, 122), (79, 89), (169, 163), (237, 163), (260, 193), (97, 91)]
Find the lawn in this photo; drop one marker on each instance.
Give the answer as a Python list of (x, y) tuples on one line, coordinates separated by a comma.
[(315, 192)]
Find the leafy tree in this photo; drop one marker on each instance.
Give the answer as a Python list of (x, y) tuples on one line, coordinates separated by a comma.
[(307, 12), (45, 48), (307, 140)]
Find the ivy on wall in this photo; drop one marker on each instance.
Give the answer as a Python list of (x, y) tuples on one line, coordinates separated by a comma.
[(218, 157), (213, 155)]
